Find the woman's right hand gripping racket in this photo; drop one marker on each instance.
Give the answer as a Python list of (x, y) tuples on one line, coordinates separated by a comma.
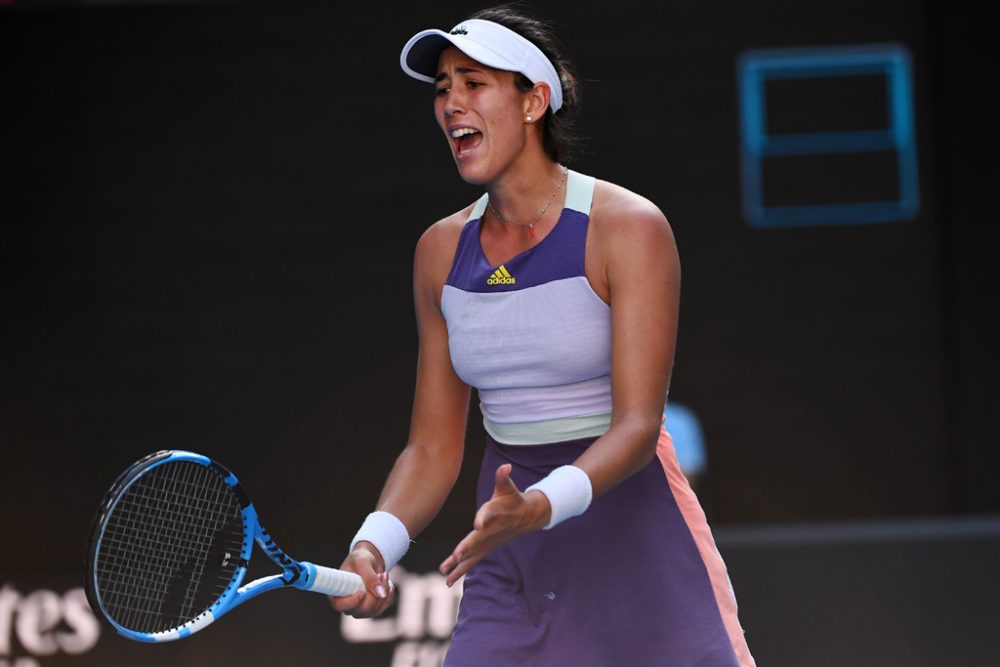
[(170, 547)]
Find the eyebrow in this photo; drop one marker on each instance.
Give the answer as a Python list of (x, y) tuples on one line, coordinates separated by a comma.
[(460, 70)]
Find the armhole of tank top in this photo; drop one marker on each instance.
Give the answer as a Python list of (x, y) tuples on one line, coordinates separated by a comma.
[(580, 197)]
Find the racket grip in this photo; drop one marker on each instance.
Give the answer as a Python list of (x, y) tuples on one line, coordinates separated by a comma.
[(329, 581)]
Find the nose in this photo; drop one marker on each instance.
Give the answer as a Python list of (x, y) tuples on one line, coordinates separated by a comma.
[(454, 103)]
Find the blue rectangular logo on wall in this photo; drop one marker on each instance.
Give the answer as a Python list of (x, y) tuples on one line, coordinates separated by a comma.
[(827, 136)]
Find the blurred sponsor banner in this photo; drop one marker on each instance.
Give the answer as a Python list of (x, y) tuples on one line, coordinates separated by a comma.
[(48, 626)]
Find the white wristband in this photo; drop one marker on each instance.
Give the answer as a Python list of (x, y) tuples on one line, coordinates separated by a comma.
[(388, 534), (569, 492)]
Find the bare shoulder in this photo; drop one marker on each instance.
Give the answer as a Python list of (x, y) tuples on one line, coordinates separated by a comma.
[(620, 216), (436, 249), (441, 238)]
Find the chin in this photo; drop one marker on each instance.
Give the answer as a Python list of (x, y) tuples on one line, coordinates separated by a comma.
[(471, 174)]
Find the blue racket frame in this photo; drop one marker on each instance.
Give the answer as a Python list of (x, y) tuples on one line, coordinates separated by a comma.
[(294, 573)]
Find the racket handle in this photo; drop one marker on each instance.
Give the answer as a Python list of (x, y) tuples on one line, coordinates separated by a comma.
[(329, 581)]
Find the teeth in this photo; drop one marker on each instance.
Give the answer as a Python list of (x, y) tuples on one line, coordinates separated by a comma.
[(461, 132)]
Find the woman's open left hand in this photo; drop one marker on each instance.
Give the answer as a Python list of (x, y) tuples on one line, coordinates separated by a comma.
[(505, 516)]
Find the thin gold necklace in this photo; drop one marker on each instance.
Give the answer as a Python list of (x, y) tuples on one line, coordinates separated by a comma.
[(531, 225)]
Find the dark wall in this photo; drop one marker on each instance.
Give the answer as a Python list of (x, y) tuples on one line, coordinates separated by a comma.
[(967, 173), (206, 235)]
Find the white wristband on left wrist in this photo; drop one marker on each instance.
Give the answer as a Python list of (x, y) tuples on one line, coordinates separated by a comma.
[(569, 491)]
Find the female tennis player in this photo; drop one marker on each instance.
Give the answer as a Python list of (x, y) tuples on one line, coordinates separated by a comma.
[(555, 295)]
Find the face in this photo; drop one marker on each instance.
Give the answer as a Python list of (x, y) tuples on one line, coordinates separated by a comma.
[(481, 111)]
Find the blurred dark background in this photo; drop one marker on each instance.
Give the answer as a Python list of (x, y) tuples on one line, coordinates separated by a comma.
[(207, 222)]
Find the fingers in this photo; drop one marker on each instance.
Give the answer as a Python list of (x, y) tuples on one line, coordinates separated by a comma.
[(376, 583), (366, 604), (378, 593), (449, 563), (469, 551), (348, 602), (497, 521), (504, 517), (458, 563), (461, 569), (457, 556), (504, 485)]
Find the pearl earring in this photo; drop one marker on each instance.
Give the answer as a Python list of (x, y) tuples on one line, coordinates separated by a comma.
[(528, 119)]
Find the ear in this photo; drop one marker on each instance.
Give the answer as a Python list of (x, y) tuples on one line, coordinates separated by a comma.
[(536, 102)]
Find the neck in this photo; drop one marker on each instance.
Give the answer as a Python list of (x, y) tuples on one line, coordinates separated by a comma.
[(520, 196)]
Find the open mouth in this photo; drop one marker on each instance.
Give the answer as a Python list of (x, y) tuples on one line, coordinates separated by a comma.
[(466, 139)]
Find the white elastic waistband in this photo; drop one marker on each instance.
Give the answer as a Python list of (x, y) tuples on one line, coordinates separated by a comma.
[(550, 430)]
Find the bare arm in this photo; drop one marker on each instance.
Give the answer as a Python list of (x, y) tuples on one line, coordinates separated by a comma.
[(642, 273), (429, 465), (426, 470), (639, 275)]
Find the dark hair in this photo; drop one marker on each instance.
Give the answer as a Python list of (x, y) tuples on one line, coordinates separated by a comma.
[(558, 132)]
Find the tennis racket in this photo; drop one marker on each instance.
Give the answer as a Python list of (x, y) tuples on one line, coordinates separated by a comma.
[(170, 547)]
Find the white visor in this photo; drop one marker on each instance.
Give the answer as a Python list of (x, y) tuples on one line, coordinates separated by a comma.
[(486, 42)]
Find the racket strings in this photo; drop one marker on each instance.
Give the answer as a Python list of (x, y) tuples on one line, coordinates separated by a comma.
[(161, 561), (180, 503)]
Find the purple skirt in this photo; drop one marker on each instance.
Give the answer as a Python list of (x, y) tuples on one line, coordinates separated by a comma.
[(622, 585)]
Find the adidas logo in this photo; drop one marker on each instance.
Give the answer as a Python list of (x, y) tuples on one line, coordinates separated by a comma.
[(501, 277)]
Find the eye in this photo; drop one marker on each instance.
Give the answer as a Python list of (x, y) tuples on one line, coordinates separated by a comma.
[(443, 90), (474, 84)]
